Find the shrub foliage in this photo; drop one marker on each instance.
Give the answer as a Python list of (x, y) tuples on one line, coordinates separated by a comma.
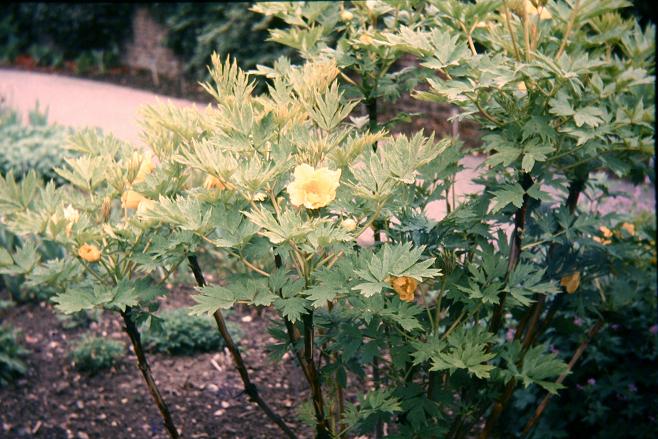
[(95, 354), (181, 334), (431, 326), (11, 356)]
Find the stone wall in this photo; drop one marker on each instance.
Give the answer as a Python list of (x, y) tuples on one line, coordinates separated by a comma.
[(147, 49)]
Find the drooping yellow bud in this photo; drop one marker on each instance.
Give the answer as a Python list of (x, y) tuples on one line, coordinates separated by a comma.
[(313, 188), (145, 168), (607, 234), (131, 199), (571, 282), (365, 39), (629, 227), (89, 253)]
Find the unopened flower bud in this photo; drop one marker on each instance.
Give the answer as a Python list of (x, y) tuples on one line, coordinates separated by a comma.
[(106, 208), (89, 253), (131, 199)]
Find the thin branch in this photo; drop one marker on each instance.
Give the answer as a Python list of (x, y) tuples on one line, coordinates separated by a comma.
[(142, 363), (515, 249), (468, 38), (508, 21), (249, 388), (570, 23), (576, 356)]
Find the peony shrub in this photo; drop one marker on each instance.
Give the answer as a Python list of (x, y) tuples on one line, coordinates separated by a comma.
[(401, 324)]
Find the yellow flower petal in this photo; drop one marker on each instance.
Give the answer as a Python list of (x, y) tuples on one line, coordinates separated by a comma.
[(544, 14), (145, 169), (131, 199), (212, 182), (365, 39), (571, 282), (144, 206), (607, 233)]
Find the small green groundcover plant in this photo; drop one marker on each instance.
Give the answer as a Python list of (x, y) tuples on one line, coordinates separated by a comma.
[(400, 323), (178, 333), (35, 146), (12, 364), (93, 354)]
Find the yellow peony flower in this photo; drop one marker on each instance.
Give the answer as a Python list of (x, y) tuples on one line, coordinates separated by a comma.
[(404, 286), (89, 253), (313, 188), (571, 282), (348, 224), (131, 199), (212, 182)]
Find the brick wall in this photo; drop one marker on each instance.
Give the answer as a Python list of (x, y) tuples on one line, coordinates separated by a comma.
[(147, 50)]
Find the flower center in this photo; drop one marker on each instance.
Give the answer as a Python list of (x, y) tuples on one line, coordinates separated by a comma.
[(313, 187)]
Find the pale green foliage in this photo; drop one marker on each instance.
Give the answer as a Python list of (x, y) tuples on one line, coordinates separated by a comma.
[(557, 98)]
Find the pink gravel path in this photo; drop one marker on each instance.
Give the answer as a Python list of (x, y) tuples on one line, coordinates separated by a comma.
[(79, 103)]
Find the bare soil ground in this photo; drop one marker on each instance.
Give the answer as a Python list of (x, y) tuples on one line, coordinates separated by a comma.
[(55, 401)]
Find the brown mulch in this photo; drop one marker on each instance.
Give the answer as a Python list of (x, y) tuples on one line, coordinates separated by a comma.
[(55, 401)]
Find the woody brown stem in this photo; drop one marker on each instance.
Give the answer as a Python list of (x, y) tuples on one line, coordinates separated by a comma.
[(249, 388), (142, 363), (534, 327), (322, 425), (515, 248), (576, 356), (305, 360)]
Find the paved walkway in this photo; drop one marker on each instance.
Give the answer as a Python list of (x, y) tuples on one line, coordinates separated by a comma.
[(79, 103)]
